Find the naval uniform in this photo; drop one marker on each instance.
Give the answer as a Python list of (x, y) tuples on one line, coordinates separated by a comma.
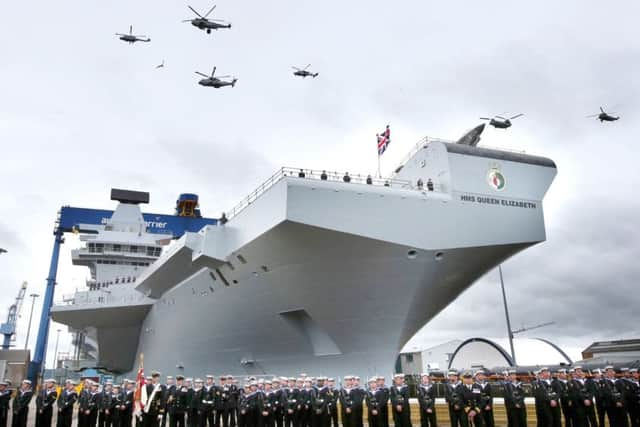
[(613, 397), (332, 406), (383, 398), (208, 416), (545, 397), (454, 402), (374, 412), (427, 403), (154, 408), (561, 388), (104, 409), (44, 406), (346, 406), (582, 403), (292, 408), (633, 402), (514, 404), (470, 394), (486, 403), (21, 408), (178, 403), (5, 399), (320, 408), (400, 407), (358, 394)]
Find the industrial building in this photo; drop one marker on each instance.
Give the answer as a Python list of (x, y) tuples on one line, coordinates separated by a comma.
[(619, 352)]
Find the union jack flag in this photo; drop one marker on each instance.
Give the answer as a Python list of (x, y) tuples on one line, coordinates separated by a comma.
[(384, 139), (140, 396)]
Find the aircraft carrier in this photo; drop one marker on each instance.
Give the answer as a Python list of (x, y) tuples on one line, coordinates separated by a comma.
[(309, 273)]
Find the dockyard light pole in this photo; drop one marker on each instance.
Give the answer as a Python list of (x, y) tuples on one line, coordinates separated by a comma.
[(506, 313), (33, 303)]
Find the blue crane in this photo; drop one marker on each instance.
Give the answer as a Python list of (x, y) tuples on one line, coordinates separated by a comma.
[(187, 218), (8, 329)]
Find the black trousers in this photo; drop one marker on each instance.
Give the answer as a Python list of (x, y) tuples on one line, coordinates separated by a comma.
[(43, 419), (333, 417), (457, 417), (20, 418), (428, 419), (176, 419), (617, 416), (584, 416), (568, 413), (125, 418), (402, 418), (518, 417), (208, 418), (488, 418), (104, 419), (227, 416)]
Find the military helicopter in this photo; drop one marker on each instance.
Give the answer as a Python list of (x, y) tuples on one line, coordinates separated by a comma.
[(302, 72), (204, 23), (216, 82), (604, 117), (131, 38), (500, 122)]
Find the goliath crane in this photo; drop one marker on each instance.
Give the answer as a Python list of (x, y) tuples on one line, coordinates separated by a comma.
[(8, 329)]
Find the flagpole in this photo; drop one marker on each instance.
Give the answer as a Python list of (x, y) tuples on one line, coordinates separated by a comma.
[(379, 173)]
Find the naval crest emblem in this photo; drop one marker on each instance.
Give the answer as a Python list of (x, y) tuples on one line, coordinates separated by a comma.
[(496, 179)]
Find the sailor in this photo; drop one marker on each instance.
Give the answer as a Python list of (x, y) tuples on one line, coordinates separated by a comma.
[(44, 403), (117, 399), (21, 404), (83, 397), (346, 401), (332, 405), (560, 384), (374, 414), (178, 402), (613, 398), (420, 184), (195, 415), (486, 398), (454, 400), (358, 394), (470, 394), (234, 395), (267, 406), (383, 398), (427, 401), (306, 397), (104, 407), (633, 398), (582, 400), (126, 411), (301, 174), (399, 396), (514, 400), (323, 175), (5, 399), (593, 384), (154, 407), (170, 383), (89, 406), (547, 401), (208, 416), (346, 177), (320, 404), (290, 418), (369, 180), (253, 405), (279, 388)]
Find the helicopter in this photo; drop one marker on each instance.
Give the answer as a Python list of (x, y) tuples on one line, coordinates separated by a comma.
[(302, 72), (604, 117), (216, 82), (204, 23), (500, 122), (131, 38)]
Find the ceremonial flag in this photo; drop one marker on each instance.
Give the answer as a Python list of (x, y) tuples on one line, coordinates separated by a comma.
[(140, 397), (383, 140)]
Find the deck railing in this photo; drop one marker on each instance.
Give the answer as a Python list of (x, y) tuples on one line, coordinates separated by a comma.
[(320, 175)]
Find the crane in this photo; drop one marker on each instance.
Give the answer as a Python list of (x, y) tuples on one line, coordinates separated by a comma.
[(8, 329)]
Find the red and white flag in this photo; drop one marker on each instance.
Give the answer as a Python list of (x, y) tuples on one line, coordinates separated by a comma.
[(140, 396), (384, 139)]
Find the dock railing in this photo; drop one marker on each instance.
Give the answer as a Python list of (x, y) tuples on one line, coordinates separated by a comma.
[(319, 175)]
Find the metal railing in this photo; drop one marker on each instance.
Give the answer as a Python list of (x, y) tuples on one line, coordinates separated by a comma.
[(320, 175), (99, 297)]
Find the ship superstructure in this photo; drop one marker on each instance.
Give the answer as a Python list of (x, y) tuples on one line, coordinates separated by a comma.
[(317, 273)]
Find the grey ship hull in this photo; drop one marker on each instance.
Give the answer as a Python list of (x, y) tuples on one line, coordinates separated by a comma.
[(331, 278)]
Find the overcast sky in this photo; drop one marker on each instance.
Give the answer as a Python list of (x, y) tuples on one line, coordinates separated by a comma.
[(81, 112)]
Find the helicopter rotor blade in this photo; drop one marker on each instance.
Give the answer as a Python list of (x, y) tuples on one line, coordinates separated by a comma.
[(202, 74), (218, 20), (210, 10), (130, 29), (222, 77), (485, 118), (516, 116), (120, 34), (187, 20), (500, 117), (593, 115), (602, 110), (296, 68), (194, 11), (308, 65), (213, 71)]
